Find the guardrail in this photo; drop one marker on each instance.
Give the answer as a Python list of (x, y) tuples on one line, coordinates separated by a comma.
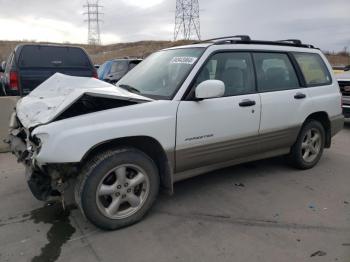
[(7, 104)]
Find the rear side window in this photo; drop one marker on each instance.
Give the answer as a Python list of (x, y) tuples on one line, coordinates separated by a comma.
[(275, 72), (314, 69), (52, 56)]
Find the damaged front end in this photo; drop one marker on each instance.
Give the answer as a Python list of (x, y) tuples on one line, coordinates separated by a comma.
[(46, 182), (58, 98)]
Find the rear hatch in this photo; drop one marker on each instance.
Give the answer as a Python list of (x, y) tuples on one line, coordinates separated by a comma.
[(37, 63)]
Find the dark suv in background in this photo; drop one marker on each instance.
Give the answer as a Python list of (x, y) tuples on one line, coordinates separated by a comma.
[(31, 64), (112, 71)]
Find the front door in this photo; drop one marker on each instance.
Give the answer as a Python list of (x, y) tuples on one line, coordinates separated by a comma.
[(217, 130)]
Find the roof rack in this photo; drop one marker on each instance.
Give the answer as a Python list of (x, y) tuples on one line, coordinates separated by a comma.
[(245, 39), (294, 41), (241, 37)]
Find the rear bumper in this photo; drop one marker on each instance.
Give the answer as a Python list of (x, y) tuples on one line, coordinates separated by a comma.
[(337, 124)]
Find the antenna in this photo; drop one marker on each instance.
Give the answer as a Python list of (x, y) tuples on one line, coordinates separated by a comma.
[(187, 23), (93, 14)]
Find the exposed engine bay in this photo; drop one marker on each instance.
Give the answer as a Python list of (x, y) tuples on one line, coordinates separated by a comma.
[(60, 97)]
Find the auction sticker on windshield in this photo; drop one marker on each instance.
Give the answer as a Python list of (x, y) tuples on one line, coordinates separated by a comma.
[(183, 60)]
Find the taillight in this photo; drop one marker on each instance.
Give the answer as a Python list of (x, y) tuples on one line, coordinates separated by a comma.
[(94, 74), (14, 80)]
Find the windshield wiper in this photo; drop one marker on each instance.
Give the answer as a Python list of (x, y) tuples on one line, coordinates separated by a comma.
[(130, 88)]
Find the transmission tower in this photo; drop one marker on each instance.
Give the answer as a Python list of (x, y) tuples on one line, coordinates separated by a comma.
[(93, 20), (187, 23)]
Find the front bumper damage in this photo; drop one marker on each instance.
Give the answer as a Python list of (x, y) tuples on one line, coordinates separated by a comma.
[(46, 182)]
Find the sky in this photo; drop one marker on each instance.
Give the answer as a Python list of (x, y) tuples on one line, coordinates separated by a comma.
[(324, 23)]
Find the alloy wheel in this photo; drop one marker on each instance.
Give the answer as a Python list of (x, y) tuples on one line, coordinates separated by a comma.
[(122, 191)]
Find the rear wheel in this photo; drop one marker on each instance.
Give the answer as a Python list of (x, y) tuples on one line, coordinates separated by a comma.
[(309, 146), (118, 188)]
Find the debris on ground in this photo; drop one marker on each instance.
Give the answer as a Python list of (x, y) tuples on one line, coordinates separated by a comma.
[(239, 184), (346, 202), (318, 253)]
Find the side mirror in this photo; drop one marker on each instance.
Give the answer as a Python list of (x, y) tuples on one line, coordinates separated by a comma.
[(3, 66), (347, 68), (210, 89)]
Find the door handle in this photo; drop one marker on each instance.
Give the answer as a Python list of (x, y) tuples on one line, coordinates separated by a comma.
[(247, 102), (299, 96)]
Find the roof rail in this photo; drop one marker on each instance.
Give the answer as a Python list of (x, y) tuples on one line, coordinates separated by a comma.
[(227, 38), (294, 41), (245, 39), (264, 42)]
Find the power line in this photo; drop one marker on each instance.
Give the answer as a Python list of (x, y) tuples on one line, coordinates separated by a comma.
[(187, 23), (93, 20)]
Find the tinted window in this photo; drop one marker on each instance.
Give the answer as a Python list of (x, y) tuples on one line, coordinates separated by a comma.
[(133, 64), (119, 66), (234, 69), (275, 72), (314, 69), (51, 56)]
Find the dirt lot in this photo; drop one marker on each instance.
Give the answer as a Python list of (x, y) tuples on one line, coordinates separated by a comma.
[(262, 211)]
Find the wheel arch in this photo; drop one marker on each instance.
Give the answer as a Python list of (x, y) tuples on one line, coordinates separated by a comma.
[(323, 118), (148, 145)]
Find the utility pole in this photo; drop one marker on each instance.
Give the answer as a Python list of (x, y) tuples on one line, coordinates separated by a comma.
[(187, 23), (93, 20)]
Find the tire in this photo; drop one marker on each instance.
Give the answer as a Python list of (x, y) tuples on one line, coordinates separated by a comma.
[(306, 142), (117, 188)]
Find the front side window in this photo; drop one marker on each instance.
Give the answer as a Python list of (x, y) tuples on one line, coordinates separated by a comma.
[(275, 72), (314, 69), (235, 69), (161, 74)]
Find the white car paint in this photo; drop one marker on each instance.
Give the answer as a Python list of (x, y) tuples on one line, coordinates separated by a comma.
[(60, 91), (69, 140)]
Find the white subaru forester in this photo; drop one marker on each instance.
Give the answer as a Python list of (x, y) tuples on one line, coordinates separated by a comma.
[(182, 112)]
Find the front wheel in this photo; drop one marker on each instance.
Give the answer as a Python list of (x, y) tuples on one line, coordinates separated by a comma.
[(309, 146), (118, 188)]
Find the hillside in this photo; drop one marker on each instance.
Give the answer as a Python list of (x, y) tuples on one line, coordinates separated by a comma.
[(99, 54)]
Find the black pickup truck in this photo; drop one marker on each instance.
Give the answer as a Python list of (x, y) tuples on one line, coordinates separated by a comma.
[(31, 64)]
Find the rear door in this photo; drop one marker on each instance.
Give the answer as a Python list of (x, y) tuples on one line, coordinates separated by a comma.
[(217, 130), (38, 63), (284, 101), (323, 91)]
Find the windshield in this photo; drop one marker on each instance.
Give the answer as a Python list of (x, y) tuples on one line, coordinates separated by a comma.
[(162, 73)]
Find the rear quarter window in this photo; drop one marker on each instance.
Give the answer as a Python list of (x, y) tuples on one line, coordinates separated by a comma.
[(49, 56), (313, 68)]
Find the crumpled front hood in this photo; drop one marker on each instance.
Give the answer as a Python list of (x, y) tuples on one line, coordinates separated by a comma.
[(59, 92)]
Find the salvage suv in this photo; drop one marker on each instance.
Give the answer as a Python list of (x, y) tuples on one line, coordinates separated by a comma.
[(182, 112)]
